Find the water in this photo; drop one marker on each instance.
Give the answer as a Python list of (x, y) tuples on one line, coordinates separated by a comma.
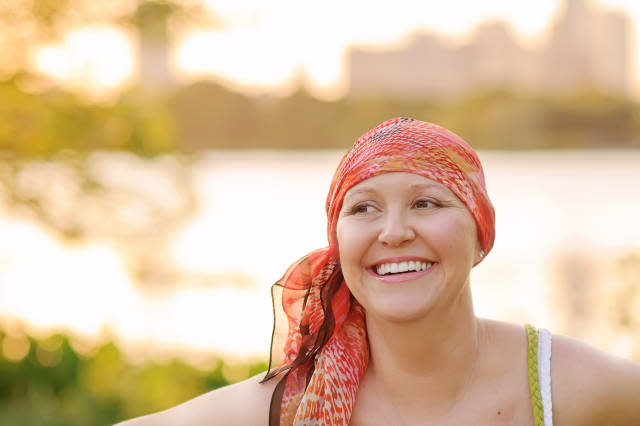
[(260, 211)]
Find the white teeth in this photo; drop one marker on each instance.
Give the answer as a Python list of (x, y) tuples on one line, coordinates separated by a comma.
[(394, 268)]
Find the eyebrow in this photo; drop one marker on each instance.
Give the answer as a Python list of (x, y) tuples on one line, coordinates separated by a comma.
[(414, 187)]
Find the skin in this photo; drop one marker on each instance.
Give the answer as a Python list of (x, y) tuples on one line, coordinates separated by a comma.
[(433, 362)]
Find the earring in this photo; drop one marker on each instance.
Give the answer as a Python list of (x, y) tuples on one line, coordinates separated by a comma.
[(481, 254)]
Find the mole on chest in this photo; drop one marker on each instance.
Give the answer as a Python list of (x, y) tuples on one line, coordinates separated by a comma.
[(501, 415)]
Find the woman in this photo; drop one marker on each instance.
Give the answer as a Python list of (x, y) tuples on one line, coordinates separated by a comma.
[(381, 326)]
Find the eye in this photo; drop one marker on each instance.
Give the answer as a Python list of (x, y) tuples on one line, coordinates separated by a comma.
[(362, 209), (424, 203)]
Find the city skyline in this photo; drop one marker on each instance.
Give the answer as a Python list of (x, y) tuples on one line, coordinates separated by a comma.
[(259, 55), (586, 47)]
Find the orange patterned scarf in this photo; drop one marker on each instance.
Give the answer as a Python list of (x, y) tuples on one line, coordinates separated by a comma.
[(326, 350)]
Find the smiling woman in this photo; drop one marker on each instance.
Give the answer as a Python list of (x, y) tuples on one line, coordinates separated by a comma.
[(374, 229), (381, 325)]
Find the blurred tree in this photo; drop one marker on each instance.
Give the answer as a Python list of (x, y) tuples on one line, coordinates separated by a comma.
[(53, 148), (48, 139), (99, 388), (590, 119), (209, 116), (26, 24)]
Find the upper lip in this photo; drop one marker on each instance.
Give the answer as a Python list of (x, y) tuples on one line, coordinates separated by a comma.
[(400, 259)]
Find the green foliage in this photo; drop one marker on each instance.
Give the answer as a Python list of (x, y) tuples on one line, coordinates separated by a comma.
[(217, 118), (39, 126), (53, 385), (205, 115)]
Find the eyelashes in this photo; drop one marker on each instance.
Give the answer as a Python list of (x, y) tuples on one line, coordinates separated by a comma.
[(424, 201), (358, 208)]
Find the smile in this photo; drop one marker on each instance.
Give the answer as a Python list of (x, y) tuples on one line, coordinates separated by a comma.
[(399, 267), (402, 271)]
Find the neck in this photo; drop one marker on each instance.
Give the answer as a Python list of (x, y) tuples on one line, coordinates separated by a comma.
[(434, 357)]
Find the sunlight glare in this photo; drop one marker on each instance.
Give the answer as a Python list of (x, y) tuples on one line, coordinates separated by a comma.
[(88, 59), (239, 55)]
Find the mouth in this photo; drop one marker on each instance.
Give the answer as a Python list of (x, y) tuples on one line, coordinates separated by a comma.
[(393, 272)]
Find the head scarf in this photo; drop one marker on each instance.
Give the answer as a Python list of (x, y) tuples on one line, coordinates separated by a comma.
[(326, 350)]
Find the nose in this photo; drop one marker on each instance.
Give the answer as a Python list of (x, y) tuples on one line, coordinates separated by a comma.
[(396, 230)]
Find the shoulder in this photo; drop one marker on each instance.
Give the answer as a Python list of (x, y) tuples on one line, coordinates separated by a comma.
[(243, 403), (591, 387)]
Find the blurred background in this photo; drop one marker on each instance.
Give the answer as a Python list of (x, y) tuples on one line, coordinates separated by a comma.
[(162, 163)]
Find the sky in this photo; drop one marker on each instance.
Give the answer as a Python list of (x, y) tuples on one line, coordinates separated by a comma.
[(267, 45)]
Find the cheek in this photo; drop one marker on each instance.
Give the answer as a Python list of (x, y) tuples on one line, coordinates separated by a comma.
[(351, 250), (457, 234), (352, 245), (345, 248)]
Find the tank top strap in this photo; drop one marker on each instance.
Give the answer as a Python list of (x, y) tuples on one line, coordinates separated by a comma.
[(539, 373)]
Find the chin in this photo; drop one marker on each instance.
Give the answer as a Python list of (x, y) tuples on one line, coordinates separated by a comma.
[(401, 308)]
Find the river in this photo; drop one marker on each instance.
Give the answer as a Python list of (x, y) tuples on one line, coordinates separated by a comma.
[(260, 211)]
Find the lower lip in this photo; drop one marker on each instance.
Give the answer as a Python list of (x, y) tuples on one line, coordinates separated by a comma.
[(398, 278)]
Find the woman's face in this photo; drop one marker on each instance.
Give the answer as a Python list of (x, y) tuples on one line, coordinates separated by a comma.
[(398, 221)]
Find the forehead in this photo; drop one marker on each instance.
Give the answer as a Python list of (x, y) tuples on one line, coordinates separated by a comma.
[(397, 181)]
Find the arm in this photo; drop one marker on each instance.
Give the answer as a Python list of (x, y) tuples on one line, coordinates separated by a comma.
[(244, 403), (591, 387), (620, 394)]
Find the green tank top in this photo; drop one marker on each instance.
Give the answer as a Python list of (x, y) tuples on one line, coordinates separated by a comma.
[(539, 372)]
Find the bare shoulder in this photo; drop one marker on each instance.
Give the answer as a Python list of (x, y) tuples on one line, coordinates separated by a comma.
[(243, 403), (591, 387)]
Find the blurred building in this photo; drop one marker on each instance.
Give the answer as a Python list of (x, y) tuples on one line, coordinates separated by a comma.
[(418, 67), (151, 19), (585, 47)]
